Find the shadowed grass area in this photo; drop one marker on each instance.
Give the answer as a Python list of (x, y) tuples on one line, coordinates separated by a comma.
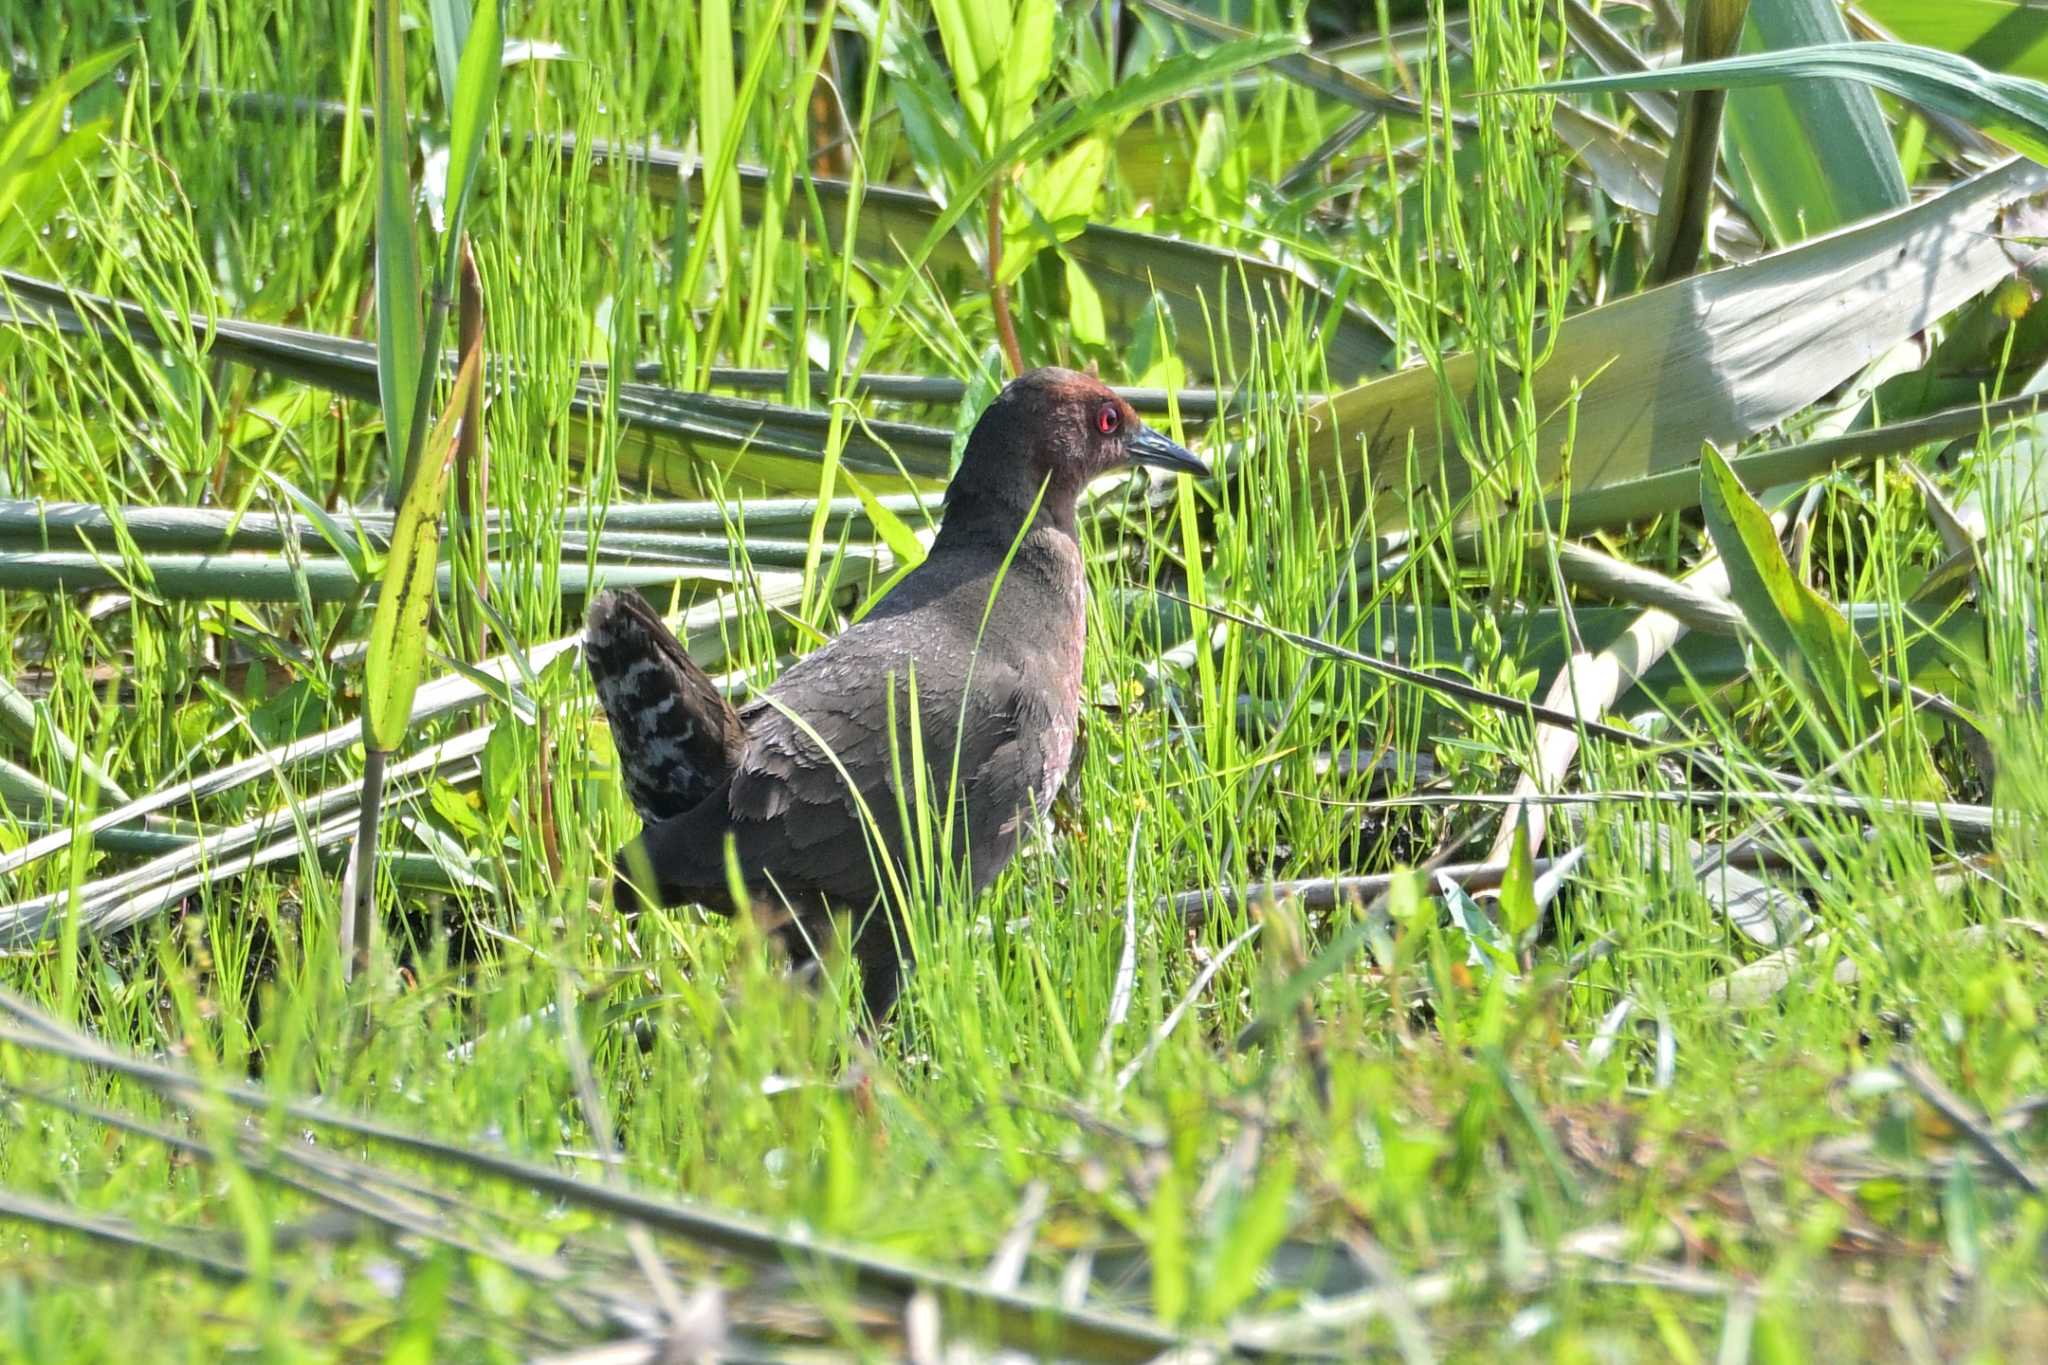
[(1742, 1058)]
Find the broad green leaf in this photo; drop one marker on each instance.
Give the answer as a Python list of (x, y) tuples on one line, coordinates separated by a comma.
[(1637, 384), (1808, 156), (943, 136), (1518, 910), (38, 125), (474, 96), (38, 153), (398, 630), (894, 531), (972, 37), (451, 39), (1486, 946), (2004, 35), (941, 149), (37, 129), (1000, 53), (416, 1334), (1084, 307), (31, 194), (1064, 190), (503, 769), (1257, 1223), (458, 811), (1058, 197), (715, 117), (401, 345), (1024, 64), (1798, 627), (1217, 191), (2012, 109)]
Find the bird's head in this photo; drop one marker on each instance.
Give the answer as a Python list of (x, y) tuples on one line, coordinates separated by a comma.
[(1057, 430)]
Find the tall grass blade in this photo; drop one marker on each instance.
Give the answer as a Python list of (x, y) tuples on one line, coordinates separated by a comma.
[(401, 341), (2013, 109)]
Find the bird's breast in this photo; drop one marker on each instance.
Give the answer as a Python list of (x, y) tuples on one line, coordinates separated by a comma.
[(1064, 644)]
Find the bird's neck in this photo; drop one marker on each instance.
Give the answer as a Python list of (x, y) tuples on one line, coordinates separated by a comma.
[(990, 520)]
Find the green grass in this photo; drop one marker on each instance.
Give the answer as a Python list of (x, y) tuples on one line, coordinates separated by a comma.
[(1635, 1135)]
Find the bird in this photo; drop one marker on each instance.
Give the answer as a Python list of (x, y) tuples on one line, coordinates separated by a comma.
[(805, 789)]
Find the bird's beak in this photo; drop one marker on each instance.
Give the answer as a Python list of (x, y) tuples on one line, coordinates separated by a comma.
[(1147, 446)]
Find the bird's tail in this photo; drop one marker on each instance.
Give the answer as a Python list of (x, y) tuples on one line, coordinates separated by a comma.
[(676, 735)]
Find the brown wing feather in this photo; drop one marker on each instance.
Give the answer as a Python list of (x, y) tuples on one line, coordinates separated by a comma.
[(800, 831), (789, 809)]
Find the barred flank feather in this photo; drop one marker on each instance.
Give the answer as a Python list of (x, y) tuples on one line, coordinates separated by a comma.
[(675, 734)]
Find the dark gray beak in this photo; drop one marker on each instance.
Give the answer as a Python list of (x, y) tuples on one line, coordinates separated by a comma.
[(1147, 446)]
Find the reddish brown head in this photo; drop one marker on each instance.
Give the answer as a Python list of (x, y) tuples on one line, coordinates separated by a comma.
[(1057, 430)]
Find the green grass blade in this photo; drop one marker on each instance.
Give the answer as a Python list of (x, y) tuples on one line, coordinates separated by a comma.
[(401, 343), (474, 98), (1678, 489), (2012, 109)]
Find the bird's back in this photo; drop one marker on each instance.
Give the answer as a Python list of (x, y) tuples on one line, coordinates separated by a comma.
[(954, 698)]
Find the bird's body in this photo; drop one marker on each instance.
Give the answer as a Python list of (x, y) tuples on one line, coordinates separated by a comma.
[(973, 660)]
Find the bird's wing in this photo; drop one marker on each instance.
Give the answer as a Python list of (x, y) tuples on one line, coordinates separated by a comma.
[(1013, 777), (677, 737), (810, 821)]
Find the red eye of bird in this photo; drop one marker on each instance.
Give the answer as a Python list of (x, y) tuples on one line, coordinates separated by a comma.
[(1108, 419)]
